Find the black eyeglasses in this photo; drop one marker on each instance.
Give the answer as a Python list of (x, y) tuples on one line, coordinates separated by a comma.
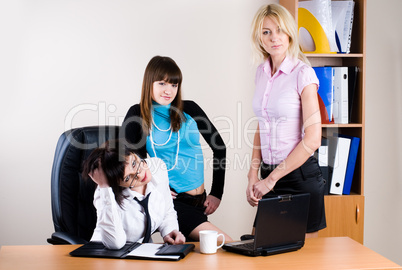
[(140, 166)]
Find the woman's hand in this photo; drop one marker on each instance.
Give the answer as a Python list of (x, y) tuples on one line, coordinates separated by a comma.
[(174, 238), (99, 177), (262, 187), (252, 180), (174, 194), (211, 203)]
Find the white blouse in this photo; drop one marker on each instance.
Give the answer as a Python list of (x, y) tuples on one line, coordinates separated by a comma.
[(117, 225)]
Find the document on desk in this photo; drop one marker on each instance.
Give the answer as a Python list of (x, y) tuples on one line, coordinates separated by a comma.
[(135, 251), (148, 251)]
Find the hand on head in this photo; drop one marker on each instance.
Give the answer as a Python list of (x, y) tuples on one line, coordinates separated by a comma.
[(98, 176)]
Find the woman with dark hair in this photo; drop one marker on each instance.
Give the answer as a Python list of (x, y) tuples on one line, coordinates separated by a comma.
[(124, 180), (164, 126)]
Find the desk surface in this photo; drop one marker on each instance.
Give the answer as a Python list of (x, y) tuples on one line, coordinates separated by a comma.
[(318, 253)]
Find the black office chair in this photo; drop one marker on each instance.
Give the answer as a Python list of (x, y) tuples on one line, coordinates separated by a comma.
[(74, 215)]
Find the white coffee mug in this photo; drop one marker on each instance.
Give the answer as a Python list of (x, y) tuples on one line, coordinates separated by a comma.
[(209, 241)]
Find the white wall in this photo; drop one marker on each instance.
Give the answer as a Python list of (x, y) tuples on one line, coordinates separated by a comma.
[(72, 63), (383, 170), (76, 63)]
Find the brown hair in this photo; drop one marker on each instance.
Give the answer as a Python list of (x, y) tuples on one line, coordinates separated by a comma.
[(161, 68)]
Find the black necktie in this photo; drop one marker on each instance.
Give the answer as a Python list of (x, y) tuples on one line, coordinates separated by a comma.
[(144, 204)]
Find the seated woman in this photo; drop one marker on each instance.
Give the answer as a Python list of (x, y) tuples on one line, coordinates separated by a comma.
[(124, 180)]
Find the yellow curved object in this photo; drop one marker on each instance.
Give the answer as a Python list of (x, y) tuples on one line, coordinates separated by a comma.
[(313, 26)]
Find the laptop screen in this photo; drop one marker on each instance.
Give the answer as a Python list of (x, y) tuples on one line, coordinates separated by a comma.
[(281, 220)]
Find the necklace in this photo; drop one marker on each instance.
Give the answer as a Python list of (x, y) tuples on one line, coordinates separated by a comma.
[(170, 136), (158, 128)]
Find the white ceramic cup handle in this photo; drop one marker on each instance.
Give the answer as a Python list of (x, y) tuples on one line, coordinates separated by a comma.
[(223, 242)]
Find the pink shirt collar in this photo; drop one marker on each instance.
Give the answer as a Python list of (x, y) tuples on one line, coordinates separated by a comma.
[(286, 66)]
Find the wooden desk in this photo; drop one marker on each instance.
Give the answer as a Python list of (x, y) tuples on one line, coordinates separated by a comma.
[(320, 253)]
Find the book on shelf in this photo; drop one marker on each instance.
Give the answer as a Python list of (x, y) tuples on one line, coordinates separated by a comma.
[(352, 80), (336, 93), (338, 157), (342, 21), (351, 164), (341, 95), (322, 158), (325, 93)]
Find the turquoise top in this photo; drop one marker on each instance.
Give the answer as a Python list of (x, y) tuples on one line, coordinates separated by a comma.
[(188, 173)]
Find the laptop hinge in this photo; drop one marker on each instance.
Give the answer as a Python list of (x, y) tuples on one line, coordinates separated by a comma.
[(285, 198)]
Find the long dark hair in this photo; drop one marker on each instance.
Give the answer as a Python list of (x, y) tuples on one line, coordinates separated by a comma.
[(161, 68), (111, 157)]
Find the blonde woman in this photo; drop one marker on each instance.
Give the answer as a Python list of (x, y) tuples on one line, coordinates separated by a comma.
[(286, 104)]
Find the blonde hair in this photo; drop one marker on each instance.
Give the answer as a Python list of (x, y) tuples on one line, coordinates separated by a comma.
[(287, 24)]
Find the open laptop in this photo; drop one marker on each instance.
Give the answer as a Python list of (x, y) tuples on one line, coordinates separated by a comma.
[(280, 226)]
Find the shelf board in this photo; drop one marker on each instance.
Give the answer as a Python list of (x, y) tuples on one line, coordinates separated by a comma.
[(343, 195), (342, 125), (334, 55)]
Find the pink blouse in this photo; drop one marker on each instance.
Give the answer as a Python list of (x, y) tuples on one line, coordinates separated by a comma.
[(277, 104)]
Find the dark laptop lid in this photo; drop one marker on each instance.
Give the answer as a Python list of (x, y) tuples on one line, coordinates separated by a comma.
[(281, 221)]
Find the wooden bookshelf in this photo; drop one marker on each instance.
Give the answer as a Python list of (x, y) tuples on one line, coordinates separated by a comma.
[(345, 213)]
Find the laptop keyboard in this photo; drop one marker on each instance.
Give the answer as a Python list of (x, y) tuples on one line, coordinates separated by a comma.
[(246, 245)]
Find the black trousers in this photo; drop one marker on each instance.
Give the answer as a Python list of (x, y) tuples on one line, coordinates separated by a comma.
[(305, 179)]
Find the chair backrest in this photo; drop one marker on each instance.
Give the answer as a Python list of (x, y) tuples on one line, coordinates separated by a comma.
[(72, 197)]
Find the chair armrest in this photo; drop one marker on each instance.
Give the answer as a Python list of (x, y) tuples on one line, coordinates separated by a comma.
[(63, 238)]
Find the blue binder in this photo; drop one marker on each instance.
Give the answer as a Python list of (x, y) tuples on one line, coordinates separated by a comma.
[(325, 76), (350, 169)]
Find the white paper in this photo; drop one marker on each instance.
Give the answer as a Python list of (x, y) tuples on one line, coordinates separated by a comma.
[(148, 250), (342, 21)]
